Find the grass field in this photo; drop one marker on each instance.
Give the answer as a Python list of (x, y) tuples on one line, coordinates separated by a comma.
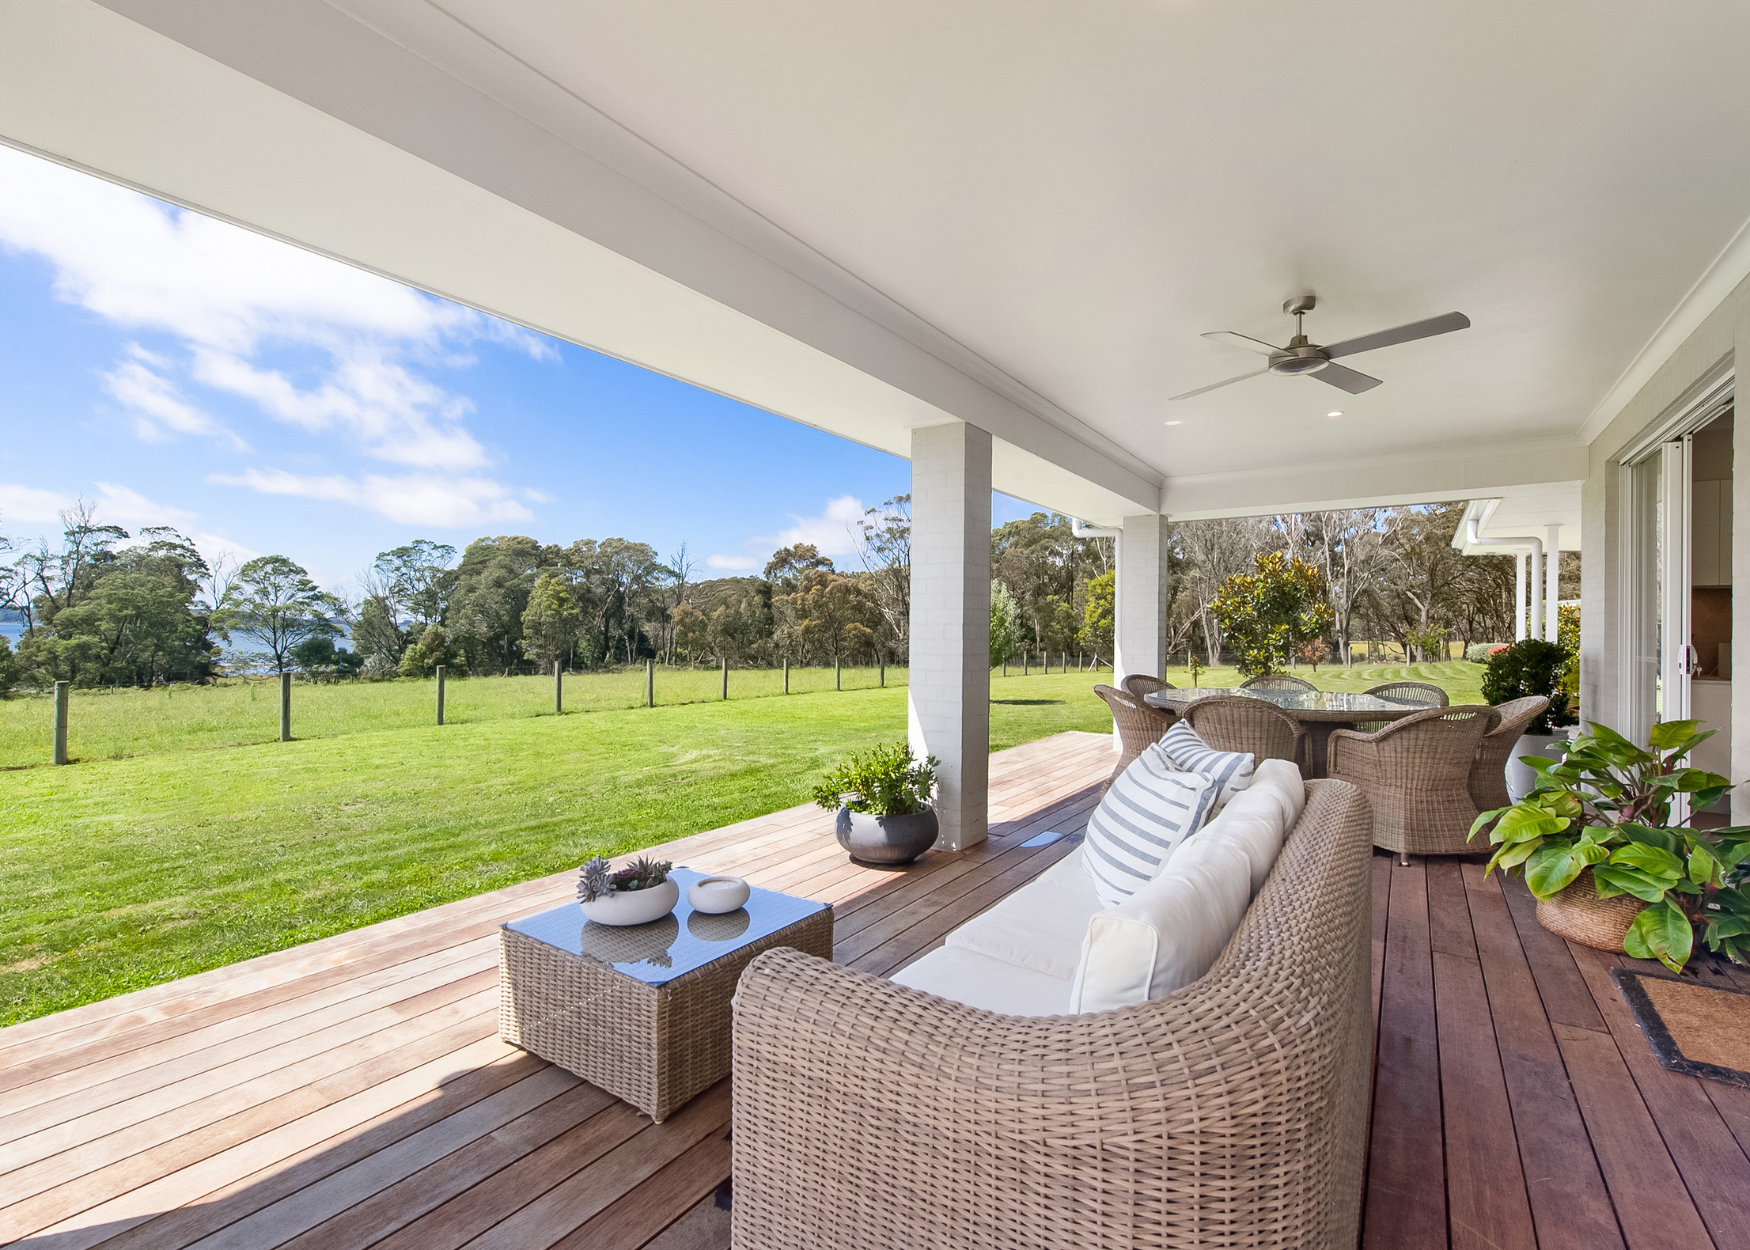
[(121, 873)]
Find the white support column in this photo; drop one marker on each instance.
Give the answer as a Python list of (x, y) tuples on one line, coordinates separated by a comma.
[(1519, 558), (949, 691), (1552, 571), (1140, 627)]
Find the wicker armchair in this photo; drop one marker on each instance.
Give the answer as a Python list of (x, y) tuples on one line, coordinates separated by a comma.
[(1278, 681), (1231, 723), (1139, 684), (1422, 690), (1231, 1112), (1488, 771), (1138, 724), (1416, 773)]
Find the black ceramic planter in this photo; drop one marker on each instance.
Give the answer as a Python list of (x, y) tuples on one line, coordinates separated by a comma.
[(886, 840)]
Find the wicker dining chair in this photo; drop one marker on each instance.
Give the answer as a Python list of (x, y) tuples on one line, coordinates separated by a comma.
[(1139, 684), (1139, 726), (1278, 681), (1411, 690), (1232, 723), (1488, 771), (1416, 773)]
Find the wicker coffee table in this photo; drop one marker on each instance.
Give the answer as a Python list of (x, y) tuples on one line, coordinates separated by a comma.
[(643, 1011)]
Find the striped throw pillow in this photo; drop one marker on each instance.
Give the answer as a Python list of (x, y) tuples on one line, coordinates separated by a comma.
[(1151, 808), (1230, 770)]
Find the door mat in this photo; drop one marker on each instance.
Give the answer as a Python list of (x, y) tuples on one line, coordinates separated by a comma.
[(1694, 1029)]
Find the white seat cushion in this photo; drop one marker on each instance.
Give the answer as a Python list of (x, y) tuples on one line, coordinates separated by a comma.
[(1168, 933), (1040, 926), (1151, 808), (980, 981), (1230, 770)]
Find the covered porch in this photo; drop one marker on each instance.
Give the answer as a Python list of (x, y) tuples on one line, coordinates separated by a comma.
[(353, 1092)]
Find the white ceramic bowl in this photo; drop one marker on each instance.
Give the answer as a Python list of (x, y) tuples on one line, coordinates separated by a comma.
[(634, 906), (716, 895)]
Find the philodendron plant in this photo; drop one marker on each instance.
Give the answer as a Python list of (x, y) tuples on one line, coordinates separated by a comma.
[(1606, 805)]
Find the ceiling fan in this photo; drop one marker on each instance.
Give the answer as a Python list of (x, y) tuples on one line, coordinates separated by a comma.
[(1301, 356)]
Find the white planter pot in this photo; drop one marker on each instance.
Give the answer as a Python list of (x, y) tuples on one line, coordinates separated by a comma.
[(624, 907), (1520, 778), (716, 895)]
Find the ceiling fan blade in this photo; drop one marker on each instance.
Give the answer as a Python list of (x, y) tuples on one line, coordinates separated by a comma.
[(1240, 340), (1346, 379), (1444, 324), (1215, 386)]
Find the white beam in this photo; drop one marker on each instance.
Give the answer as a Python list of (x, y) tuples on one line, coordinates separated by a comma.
[(1144, 584), (1552, 571), (948, 695)]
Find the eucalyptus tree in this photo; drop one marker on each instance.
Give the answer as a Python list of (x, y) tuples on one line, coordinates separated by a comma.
[(274, 601)]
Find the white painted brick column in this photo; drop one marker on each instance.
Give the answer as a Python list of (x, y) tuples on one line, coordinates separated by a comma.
[(949, 695), (1140, 627)]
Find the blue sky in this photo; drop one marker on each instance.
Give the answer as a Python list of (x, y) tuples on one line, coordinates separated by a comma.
[(175, 370)]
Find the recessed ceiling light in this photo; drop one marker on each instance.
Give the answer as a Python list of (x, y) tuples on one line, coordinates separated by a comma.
[(1175, 423), (1336, 413)]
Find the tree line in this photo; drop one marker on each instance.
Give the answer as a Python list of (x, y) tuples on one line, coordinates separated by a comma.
[(105, 607)]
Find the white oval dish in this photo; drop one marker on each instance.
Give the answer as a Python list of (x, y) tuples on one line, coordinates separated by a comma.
[(624, 907), (716, 895)]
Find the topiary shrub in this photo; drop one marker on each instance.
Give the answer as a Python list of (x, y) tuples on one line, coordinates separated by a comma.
[(1528, 667)]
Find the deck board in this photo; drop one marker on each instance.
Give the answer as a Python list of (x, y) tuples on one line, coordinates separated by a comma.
[(351, 1094)]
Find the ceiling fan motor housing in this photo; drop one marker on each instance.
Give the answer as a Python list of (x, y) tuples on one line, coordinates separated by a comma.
[(1299, 356)]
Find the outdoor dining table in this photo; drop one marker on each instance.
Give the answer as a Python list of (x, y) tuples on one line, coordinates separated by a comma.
[(1319, 710)]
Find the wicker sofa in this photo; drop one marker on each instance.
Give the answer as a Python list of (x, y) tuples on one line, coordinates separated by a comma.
[(1229, 1113)]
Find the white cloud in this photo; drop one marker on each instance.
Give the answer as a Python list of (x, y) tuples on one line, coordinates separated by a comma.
[(413, 499), (27, 503), (228, 294), (121, 505), (834, 531)]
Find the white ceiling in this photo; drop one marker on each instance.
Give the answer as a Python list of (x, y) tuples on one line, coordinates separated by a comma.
[(1076, 191), (1022, 214)]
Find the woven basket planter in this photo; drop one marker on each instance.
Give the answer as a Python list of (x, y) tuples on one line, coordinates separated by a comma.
[(1578, 914)]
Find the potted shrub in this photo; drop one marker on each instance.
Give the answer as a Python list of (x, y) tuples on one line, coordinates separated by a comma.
[(636, 894), (883, 804), (1530, 666), (1595, 841)]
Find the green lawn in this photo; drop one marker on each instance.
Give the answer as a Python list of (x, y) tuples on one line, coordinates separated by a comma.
[(121, 873)]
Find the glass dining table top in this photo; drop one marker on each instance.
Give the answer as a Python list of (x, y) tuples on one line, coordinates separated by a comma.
[(1297, 700)]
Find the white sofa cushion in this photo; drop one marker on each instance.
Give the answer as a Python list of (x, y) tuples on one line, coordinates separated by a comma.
[(1151, 808), (1168, 933), (1258, 820), (1230, 770), (1040, 926), (980, 981)]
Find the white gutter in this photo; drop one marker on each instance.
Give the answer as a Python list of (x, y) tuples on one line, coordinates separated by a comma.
[(1534, 626), (1092, 531)]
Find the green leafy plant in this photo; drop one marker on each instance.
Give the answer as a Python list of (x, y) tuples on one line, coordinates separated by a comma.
[(1606, 805), (1531, 666), (885, 781), (1270, 611)]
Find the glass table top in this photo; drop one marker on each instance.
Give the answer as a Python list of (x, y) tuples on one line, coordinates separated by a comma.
[(674, 945), (1300, 700)]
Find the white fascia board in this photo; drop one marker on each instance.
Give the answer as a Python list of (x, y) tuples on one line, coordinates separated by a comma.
[(292, 118), (1433, 476)]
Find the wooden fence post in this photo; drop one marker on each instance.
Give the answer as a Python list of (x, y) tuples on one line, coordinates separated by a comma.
[(725, 677), (285, 707), (883, 663), (650, 683), (440, 692), (558, 689), (61, 695), (786, 676), (1026, 662), (837, 680)]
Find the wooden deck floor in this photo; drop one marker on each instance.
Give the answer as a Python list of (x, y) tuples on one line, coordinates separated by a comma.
[(353, 1092)]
